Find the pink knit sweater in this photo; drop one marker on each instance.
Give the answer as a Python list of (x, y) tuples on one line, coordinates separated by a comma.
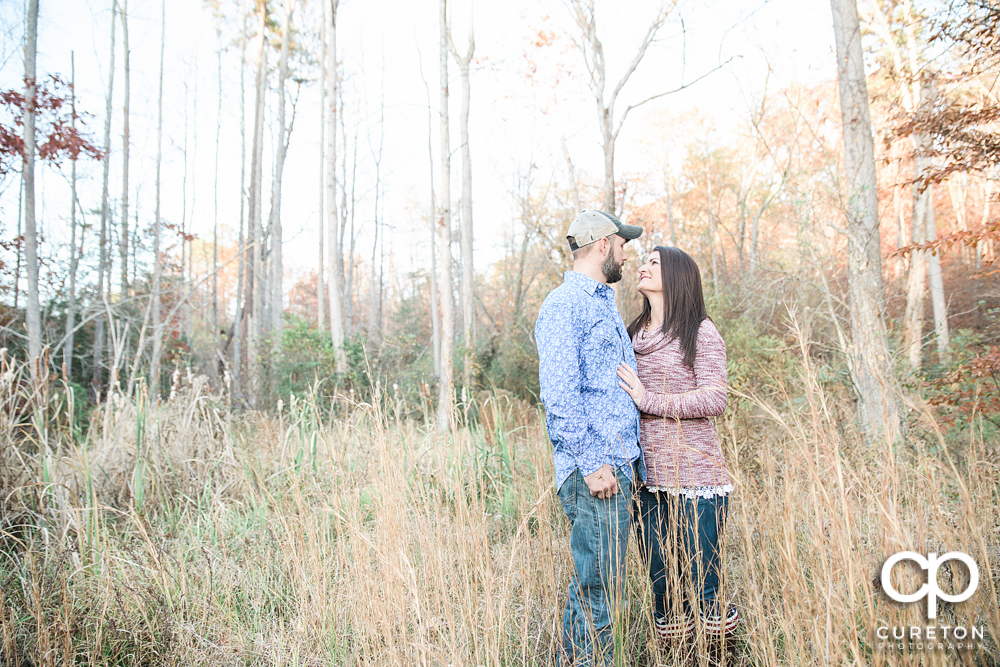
[(679, 441)]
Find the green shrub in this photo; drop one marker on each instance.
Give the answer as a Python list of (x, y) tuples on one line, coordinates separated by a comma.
[(306, 356), (968, 385)]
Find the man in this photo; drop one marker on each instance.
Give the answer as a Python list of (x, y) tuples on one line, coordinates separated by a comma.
[(593, 425)]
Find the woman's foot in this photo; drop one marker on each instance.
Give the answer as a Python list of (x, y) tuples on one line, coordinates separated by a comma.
[(717, 626), (677, 627)]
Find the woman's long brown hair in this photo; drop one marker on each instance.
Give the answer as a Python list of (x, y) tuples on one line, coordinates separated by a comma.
[(683, 301)]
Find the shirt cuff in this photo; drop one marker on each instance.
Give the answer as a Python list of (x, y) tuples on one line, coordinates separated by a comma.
[(590, 469)]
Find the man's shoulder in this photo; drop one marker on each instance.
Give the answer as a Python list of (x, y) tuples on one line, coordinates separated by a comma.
[(566, 295), (560, 311)]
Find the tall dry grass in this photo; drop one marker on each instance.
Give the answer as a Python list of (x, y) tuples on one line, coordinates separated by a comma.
[(183, 533)]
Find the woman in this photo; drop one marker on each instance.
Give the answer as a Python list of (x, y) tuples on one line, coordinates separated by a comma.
[(681, 383)]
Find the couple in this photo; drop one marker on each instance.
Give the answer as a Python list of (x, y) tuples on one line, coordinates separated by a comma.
[(627, 411)]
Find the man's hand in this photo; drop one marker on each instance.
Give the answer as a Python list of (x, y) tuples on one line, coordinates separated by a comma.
[(602, 484)]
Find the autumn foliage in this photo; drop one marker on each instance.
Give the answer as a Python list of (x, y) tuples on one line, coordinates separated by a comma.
[(57, 138), (971, 389)]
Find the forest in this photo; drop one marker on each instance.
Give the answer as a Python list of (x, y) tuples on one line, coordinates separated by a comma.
[(268, 376)]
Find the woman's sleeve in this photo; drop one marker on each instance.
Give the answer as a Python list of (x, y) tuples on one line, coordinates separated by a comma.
[(709, 399)]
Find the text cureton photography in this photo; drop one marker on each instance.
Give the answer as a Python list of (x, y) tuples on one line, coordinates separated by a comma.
[(928, 637), (934, 635)]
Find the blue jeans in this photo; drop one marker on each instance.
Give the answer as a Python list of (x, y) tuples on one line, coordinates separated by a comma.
[(679, 544), (599, 541)]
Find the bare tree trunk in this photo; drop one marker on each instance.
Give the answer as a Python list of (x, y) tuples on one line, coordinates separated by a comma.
[(916, 278), (332, 218), (374, 296), (19, 238), (135, 240), (74, 257), (20, 226), (938, 303), (345, 279), (586, 21), (190, 310), (755, 237), (215, 200), (445, 404), (320, 274), (435, 297), (741, 233), (239, 323), (98, 353), (711, 237), (987, 201), (349, 273), (123, 240), (958, 192), (264, 275), (373, 329), (923, 264), (157, 223), (670, 208), (253, 298), (604, 118), (593, 54), (274, 224), (897, 207), (380, 222), (914, 92), (530, 224), (468, 267), (923, 166), (185, 249), (872, 366), (574, 187), (435, 313), (31, 239)]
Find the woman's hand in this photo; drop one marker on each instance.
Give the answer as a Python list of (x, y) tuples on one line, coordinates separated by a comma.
[(630, 383)]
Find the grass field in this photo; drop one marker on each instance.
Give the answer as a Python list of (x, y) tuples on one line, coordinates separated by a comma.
[(184, 533)]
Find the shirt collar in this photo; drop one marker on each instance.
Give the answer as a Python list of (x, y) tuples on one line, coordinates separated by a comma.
[(585, 282)]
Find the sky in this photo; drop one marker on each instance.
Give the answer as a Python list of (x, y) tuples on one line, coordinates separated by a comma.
[(388, 49)]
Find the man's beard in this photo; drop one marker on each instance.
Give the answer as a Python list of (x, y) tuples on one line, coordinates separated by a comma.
[(611, 269)]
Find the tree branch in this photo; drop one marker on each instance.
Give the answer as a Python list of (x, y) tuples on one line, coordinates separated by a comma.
[(462, 61), (654, 27), (586, 26), (621, 121), (184, 297)]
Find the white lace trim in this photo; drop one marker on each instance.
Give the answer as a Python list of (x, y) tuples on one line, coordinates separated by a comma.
[(694, 492)]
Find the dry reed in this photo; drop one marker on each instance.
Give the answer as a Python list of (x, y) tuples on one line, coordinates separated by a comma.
[(183, 533)]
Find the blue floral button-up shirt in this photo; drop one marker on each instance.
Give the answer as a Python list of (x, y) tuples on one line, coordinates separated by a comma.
[(581, 339)]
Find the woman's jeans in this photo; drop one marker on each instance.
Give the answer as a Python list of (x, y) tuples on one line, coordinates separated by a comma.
[(679, 544), (599, 541)]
